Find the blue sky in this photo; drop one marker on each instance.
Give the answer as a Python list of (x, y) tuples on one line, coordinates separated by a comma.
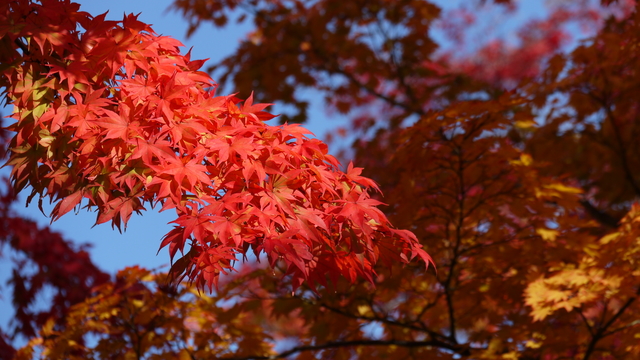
[(138, 245)]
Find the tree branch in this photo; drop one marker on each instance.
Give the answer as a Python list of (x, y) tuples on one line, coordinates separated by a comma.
[(623, 150), (599, 215), (462, 350), (431, 333), (602, 331), (380, 96), (22, 46)]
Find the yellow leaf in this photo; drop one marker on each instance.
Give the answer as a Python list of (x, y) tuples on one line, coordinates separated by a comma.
[(532, 344), (591, 250), (84, 87), (526, 159), (364, 310), (525, 124), (47, 329), (45, 138), (39, 93), (547, 234), (540, 314), (564, 188), (184, 355), (39, 110), (607, 238)]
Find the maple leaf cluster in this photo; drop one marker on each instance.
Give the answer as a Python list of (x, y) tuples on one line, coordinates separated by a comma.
[(115, 117)]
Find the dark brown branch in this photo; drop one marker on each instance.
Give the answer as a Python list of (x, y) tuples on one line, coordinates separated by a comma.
[(623, 150), (456, 254), (380, 96), (431, 333), (465, 351), (617, 315), (586, 322), (599, 215), (22, 46), (400, 74), (602, 331)]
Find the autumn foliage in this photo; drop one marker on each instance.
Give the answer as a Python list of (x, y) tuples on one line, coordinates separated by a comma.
[(114, 117), (519, 177)]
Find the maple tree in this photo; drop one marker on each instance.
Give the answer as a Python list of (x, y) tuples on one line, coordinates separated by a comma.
[(117, 117), (524, 198)]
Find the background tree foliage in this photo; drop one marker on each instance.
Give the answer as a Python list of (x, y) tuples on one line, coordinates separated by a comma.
[(516, 167)]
